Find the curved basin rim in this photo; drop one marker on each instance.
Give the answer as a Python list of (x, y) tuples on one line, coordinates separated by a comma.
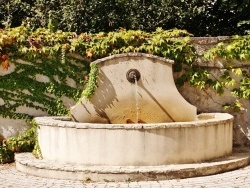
[(61, 121)]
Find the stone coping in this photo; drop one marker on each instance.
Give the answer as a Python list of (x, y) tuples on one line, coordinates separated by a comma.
[(133, 54), (205, 119), (27, 163), (210, 40)]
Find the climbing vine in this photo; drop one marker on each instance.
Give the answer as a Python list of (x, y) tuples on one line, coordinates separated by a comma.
[(92, 82), (6, 155), (52, 56), (234, 57), (34, 54), (47, 53), (25, 142)]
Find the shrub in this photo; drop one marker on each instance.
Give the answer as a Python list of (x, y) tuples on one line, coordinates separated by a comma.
[(6, 155), (201, 18)]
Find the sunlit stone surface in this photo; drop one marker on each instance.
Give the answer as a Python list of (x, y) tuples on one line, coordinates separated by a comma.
[(114, 101)]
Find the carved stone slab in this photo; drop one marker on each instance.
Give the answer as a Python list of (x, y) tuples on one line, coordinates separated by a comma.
[(154, 98)]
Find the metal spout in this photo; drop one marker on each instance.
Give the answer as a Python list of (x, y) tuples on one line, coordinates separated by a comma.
[(132, 75)]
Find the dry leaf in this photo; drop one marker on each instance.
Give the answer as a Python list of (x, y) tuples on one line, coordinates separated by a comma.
[(4, 57), (89, 53), (5, 64)]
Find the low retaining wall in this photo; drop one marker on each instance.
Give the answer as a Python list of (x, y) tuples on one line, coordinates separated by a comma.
[(207, 138)]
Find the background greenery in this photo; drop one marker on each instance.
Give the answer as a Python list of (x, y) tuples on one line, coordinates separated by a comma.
[(201, 18)]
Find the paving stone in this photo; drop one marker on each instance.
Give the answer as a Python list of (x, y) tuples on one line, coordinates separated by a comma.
[(10, 177)]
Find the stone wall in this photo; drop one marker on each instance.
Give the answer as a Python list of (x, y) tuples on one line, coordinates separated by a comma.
[(209, 101), (13, 126)]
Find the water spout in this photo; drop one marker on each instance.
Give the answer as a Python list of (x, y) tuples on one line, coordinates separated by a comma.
[(133, 75)]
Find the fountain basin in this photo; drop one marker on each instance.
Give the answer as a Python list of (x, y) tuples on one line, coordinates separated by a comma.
[(207, 138)]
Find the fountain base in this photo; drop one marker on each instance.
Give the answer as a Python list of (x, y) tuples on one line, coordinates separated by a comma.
[(27, 163), (120, 152)]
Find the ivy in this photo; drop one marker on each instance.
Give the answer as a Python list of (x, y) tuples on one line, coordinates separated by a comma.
[(235, 75), (25, 142), (52, 55), (237, 48), (92, 82), (21, 88), (6, 155), (235, 106)]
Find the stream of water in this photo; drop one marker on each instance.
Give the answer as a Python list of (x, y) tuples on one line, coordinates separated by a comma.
[(136, 100)]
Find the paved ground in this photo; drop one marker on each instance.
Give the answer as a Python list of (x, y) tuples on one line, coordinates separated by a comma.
[(10, 177)]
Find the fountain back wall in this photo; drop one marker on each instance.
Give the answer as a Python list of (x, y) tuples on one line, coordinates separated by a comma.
[(154, 98)]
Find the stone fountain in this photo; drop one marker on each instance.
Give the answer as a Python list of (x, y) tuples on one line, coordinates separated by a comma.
[(136, 126)]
